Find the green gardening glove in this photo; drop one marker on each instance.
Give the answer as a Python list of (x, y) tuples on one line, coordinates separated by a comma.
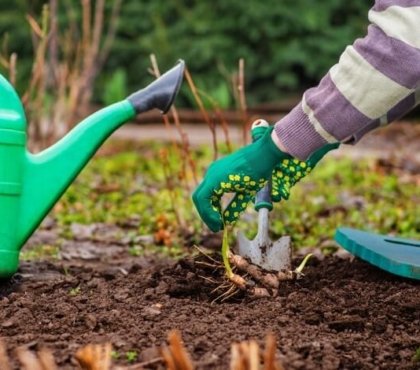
[(290, 171), (244, 173)]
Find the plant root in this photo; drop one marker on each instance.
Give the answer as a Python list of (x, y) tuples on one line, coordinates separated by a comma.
[(267, 279), (244, 280)]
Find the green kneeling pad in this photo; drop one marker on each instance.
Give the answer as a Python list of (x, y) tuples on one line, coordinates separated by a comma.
[(395, 255)]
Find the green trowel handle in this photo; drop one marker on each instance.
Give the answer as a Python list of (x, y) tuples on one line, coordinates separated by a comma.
[(263, 197)]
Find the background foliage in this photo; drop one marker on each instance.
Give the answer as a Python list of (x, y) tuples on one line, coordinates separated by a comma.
[(287, 45)]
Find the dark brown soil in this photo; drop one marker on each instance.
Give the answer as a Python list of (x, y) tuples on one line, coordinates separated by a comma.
[(342, 315)]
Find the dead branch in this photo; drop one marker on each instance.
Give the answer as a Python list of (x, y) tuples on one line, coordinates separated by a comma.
[(95, 357), (43, 360), (112, 30), (203, 111), (4, 361), (246, 355), (46, 359), (168, 173), (175, 355), (219, 114), (242, 100), (53, 44), (270, 362), (12, 68), (185, 153)]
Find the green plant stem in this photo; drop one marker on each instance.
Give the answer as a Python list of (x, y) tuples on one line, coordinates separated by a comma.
[(225, 252)]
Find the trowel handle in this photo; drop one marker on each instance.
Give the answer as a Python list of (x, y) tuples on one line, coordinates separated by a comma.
[(263, 197)]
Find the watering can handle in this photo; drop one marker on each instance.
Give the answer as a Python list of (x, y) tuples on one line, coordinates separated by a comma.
[(263, 197)]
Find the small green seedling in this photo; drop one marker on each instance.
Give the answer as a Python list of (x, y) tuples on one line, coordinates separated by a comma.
[(416, 356), (302, 265), (39, 252), (135, 251), (131, 356), (115, 355), (74, 291), (225, 252)]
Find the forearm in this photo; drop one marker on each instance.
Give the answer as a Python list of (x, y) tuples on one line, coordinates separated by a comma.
[(374, 83)]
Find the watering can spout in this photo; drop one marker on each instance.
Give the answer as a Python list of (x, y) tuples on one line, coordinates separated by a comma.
[(30, 184), (159, 94)]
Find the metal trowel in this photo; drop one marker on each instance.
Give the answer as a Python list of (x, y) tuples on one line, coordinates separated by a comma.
[(262, 251)]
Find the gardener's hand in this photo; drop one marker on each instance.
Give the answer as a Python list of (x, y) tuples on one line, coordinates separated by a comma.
[(288, 172), (244, 172)]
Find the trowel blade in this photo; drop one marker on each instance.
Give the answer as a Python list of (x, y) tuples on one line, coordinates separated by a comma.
[(271, 256)]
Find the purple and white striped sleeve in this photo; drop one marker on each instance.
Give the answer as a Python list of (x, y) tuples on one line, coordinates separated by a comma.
[(376, 80)]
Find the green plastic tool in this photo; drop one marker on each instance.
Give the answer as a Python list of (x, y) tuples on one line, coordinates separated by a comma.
[(30, 184), (395, 255)]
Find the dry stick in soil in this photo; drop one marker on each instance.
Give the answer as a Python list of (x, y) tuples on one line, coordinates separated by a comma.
[(95, 357), (43, 360), (8, 62), (239, 86), (94, 50), (246, 356), (4, 361), (70, 80), (95, 55), (34, 97), (270, 362), (218, 112), (167, 171), (156, 73), (203, 111), (186, 152), (175, 355)]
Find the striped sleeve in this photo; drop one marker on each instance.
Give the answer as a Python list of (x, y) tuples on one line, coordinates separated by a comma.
[(376, 80)]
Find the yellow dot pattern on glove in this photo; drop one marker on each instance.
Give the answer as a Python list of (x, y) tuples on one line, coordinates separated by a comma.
[(245, 188), (285, 176)]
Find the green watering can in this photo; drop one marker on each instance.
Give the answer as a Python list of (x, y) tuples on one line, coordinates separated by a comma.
[(30, 184)]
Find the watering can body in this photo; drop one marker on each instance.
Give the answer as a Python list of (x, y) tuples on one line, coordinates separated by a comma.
[(30, 184)]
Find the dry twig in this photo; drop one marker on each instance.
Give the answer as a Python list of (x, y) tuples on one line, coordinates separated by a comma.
[(242, 100), (175, 355), (95, 357), (246, 355), (206, 117), (4, 360), (43, 360)]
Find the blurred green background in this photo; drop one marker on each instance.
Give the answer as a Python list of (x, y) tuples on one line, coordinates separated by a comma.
[(287, 45)]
